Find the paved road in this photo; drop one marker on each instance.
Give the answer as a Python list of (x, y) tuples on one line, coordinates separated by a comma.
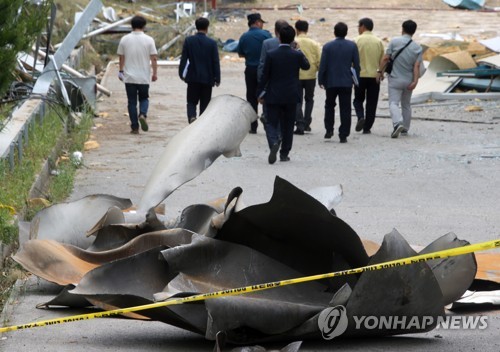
[(442, 178)]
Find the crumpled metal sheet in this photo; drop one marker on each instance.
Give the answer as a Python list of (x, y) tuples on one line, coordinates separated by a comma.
[(218, 131), (285, 232), (66, 264), (406, 291), (454, 274), (64, 222), (260, 243)]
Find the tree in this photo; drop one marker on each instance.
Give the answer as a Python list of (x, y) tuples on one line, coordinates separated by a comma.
[(21, 21)]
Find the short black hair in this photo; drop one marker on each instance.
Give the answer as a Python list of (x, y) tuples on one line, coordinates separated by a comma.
[(367, 23), (409, 27), (302, 25), (287, 35), (202, 24), (280, 24), (138, 22), (340, 30)]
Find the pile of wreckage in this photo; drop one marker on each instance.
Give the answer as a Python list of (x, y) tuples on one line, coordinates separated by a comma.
[(106, 253), (459, 68), (46, 65)]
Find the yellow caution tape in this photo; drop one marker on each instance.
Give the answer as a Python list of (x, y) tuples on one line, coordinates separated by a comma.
[(265, 286), (11, 210)]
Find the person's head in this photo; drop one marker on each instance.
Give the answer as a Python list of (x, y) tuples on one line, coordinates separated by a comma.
[(365, 24), (138, 22), (409, 27), (255, 20), (340, 30), (202, 24), (287, 35), (278, 25), (302, 26)]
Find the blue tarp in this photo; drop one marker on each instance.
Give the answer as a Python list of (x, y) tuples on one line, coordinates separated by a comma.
[(466, 4)]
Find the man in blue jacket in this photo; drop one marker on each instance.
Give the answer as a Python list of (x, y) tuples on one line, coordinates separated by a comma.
[(279, 90), (199, 68), (335, 75), (249, 47)]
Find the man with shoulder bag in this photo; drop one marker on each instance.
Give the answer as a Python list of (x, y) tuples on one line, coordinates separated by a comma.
[(404, 57)]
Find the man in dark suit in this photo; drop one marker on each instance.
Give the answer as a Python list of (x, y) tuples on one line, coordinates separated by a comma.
[(199, 68), (335, 75), (279, 89)]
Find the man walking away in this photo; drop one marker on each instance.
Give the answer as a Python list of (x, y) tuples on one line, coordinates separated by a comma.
[(371, 51), (312, 51), (280, 80), (335, 75), (268, 45), (199, 68), (137, 53), (404, 76), (249, 47)]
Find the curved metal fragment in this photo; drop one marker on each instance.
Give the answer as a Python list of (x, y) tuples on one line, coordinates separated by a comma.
[(66, 264), (294, 225), (219, 130), (69, 222), (113, 236), (66, 299), (114, 215), (329, 196), (454, 274), (403, 291)]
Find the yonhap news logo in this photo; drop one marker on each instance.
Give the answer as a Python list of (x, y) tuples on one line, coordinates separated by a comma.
[(333, 322)]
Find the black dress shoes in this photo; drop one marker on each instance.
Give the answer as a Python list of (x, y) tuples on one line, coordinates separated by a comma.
[(328, 135)]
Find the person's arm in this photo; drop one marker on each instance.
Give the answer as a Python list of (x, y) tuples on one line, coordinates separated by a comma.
[(381, 67), (264, 81), (240, 47), (260, 68), (416, 75), (304, 63), (121, 66), (322, 70), (355, 61), (184, 60), (216, 62), (154, 66)]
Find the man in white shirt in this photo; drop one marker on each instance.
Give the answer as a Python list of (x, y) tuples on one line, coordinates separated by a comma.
[(138, 55)]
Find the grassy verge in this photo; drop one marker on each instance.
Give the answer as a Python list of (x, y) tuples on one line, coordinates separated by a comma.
[(16, 184)]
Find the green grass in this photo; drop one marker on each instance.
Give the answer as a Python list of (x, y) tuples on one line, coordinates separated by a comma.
[(16, 184), (44, 138)]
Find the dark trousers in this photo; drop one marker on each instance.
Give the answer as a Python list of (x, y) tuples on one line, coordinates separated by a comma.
[(281, 117), (306, 88), (135, 91), (344, 94), (251, 83), (368, 88), (273, 133), (197, 93)]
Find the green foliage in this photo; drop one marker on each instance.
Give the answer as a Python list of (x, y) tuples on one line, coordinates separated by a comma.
[(16, 184), (20, 23)]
